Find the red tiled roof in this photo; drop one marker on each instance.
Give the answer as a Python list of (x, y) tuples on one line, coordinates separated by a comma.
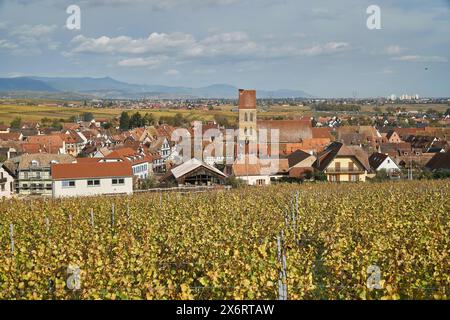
[(47, 140), (321, 133), (91, 170), (12, 136)]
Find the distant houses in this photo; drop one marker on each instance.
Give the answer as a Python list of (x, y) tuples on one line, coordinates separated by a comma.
[(86, 159)]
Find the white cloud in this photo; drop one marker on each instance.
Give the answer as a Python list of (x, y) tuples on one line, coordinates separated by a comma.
[(5, 44), (33, 31), (393, 50), (160, 4), (418, 58), (232, 45), (151, 62), (172, 72), (156, 42), (330, 47)]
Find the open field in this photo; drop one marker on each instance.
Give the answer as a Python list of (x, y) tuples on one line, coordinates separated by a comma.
[(30, 112), (223, 245), (36, 113)]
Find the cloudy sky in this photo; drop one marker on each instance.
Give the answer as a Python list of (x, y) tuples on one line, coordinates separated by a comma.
[(321, 47)]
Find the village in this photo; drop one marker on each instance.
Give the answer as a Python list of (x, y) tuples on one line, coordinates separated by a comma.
[(85, 159)]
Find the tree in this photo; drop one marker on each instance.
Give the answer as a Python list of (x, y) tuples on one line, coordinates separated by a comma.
[(124, 122), (136, 120), (377, 109), (107, 125), (390, 110), (235, 182), (319, 176), (46, 122), (447, 113), (16, 123), (148, 119), (221, 120), (87, 116), (178, 120), (148, 183), (56, 124)]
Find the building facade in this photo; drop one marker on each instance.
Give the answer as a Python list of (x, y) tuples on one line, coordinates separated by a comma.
[(91, 179)]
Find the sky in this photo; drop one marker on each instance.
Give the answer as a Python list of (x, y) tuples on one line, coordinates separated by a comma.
[(321, 47)]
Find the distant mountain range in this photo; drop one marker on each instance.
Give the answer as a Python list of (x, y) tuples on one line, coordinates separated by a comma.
[(108, 88)]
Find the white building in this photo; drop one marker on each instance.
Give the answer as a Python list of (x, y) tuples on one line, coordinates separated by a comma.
[(6, 183), (380, 161), (92, 179)]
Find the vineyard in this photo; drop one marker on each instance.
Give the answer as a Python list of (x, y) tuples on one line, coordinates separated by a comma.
[(315, 241)]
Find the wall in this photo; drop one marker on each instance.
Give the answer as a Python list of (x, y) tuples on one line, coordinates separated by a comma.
[(8, 191), (251, 180), (388, 165), (344, 176), (81, 188)]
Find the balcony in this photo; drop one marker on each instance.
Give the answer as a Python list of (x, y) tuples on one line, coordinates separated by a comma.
[(345, 171)]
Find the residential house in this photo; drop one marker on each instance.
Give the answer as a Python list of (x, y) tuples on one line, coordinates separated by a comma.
[(382, 161), (11, 136), (50, 143), (392, 137), (4, 128), (343, 163), (163, 147), (300, 164), (6, 183), (33, 172), (74, 142), (250, 169), (81, 179), (440, 161), (142, 164)]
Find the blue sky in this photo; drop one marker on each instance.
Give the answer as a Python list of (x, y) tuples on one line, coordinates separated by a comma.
[(321, 47)]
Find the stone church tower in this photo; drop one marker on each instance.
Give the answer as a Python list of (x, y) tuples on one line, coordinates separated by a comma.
[(247, 116)]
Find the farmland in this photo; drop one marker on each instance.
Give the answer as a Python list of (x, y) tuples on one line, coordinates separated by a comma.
[(36, 113), (223, 245)]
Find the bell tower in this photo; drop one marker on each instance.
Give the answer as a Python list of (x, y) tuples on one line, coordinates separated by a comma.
[(247, 116)]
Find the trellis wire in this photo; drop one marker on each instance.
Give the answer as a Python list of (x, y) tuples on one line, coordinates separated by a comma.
[(282, 281), (113, 209), (92, 219), (11, 234)]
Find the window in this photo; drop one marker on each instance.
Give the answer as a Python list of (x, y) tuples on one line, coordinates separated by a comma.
[(68, 184), (116, 182), (260, 182), (93, 183), (354, 178), (251, 116), (246, 117)]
